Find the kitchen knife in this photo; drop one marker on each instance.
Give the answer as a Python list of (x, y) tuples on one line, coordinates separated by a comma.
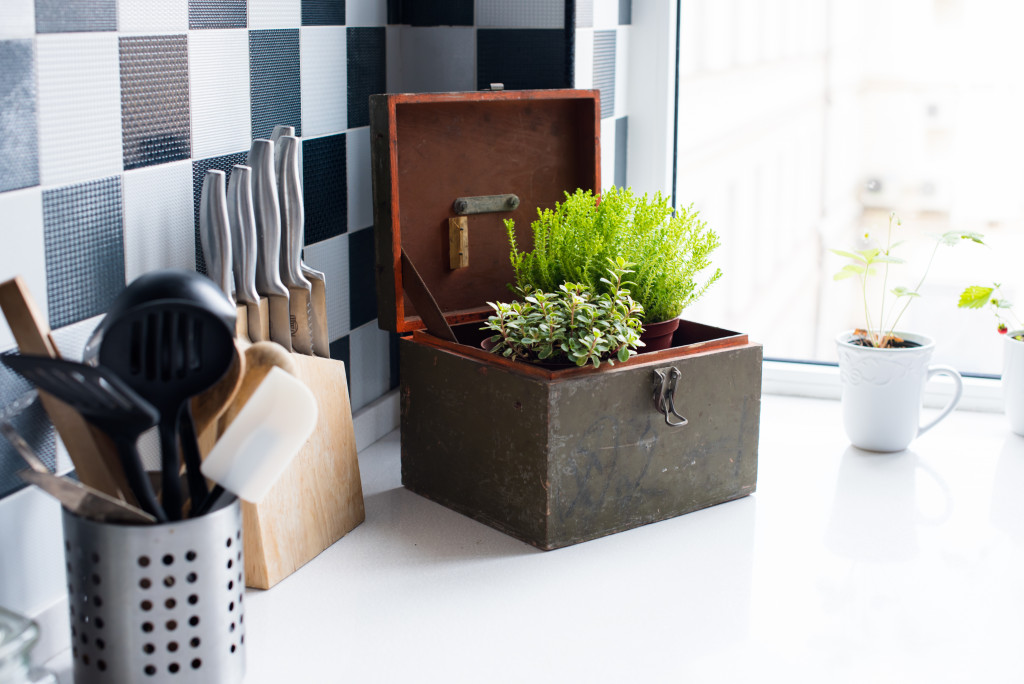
[(215, 240), (275, 137), (242, 220), (85, 501), (321, 338), (214, 236), (267, 212), (292, 222), (318, 311)]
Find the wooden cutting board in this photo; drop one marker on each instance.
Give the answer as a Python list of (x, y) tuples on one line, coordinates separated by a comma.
[(319, 498)]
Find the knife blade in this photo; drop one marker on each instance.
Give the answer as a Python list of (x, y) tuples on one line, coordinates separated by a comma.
[(267, 212), (292, 223), (85, 501), (321, 338), (242, 221)]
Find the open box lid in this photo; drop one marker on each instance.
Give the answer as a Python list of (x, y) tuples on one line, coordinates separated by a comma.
[(430, 150)]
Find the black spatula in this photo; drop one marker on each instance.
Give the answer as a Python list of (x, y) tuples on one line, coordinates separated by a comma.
[(168, 352), (107, 402)]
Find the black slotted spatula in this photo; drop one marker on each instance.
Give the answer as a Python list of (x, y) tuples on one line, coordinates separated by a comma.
[(169, 352), (107, 402)]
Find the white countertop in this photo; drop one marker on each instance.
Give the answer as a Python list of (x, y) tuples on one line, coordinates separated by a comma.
[(843, 567)]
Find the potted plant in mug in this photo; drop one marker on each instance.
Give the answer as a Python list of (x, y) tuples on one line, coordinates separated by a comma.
[(667, 250), (979, 297), (882, 369)]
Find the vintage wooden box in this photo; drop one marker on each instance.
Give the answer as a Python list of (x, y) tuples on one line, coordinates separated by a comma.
[(552, 457)]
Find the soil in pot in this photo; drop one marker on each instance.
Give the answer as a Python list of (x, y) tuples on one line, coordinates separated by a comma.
[(891, 342)]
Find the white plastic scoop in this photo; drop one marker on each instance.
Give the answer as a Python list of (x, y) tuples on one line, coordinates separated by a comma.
[(263, 438)]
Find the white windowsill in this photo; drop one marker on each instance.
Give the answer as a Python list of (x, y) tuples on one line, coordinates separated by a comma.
[(821, 381)]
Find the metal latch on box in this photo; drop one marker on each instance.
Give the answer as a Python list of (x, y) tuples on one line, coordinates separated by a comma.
[(458, 226), (665, 393)]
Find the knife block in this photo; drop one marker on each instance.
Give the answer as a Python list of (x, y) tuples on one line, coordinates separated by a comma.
[(319, 498)]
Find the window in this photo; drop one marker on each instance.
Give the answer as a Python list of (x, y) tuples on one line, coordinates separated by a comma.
[(801, 124)]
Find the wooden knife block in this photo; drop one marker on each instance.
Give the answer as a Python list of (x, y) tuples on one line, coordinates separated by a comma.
[(319, 498)]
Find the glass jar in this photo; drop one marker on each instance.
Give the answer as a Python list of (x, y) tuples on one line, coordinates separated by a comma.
[(17, 637)]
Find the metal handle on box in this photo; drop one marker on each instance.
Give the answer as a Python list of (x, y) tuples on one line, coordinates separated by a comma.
[(664, 396)]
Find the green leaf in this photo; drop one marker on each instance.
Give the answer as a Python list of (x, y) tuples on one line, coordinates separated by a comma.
[(951, 237), (848, 255), (624, 354), (974, 297), (904, 292), (849, 270), (885, 259)]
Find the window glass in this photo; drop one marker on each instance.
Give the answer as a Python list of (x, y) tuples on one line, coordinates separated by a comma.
[(802, 124)]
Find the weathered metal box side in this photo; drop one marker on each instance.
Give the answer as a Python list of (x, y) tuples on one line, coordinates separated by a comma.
[(569, 457), (474, 438), (614, 462)]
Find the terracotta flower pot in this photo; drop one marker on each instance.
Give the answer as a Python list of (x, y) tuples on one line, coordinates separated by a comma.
[(658, 336)]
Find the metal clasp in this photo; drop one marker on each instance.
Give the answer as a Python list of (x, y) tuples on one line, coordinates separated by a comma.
[(664, 396)]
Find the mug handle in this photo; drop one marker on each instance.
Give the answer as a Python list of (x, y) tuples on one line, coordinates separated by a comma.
[(958, 391)]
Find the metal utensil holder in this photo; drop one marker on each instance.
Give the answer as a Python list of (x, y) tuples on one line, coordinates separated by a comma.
[(157, 603)]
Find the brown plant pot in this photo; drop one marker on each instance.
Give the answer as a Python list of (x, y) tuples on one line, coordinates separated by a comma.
[(658, 336)]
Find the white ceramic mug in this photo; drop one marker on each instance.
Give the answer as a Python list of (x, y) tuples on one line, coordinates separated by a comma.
[(882, 391), (1013, 381)]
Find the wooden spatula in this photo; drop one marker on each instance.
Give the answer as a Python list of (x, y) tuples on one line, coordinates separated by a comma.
[(95, 459)]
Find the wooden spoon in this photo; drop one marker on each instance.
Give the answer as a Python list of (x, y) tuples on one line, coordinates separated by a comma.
[(260, 357), (211, 404)]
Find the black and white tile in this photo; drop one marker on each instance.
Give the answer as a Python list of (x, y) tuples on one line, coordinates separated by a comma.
[(84, 241), (324, 80), (155, 118), (29, 419), (216, 14), (218, 72), (274, 83), (157, 233), (367, 71), (60, 16), (324, 187), (599, 61), (19, 142), (79, 107)]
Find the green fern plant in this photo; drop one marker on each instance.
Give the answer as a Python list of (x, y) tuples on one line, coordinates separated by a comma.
[(574, 242)]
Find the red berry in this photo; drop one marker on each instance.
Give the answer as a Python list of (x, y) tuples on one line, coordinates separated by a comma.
[(1002, 328)]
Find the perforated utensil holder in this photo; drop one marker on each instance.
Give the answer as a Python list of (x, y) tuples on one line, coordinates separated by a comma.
[(157, 603)]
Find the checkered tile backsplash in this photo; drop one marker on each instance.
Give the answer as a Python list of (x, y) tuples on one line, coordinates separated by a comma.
[(111, 111)]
